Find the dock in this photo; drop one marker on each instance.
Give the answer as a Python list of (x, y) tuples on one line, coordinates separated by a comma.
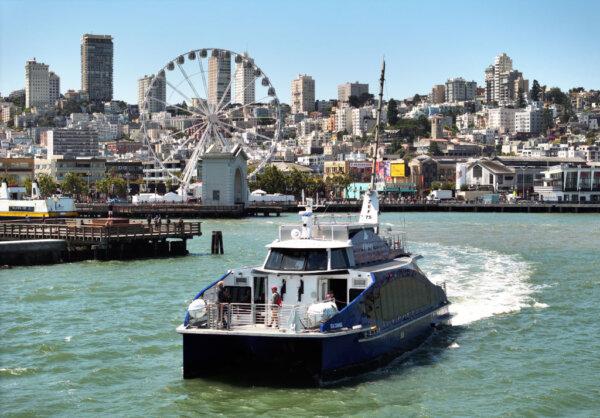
[(98, 239), (199, 211)]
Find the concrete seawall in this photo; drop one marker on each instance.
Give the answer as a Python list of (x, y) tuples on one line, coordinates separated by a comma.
[(29, 252)]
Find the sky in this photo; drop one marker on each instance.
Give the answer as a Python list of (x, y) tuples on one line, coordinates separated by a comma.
[(334, 41)]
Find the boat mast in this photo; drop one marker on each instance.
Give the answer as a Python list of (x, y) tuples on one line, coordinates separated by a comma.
[(378, 124)]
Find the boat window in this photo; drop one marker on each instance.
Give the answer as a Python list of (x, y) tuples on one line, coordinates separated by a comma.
[(296, 260), (339, 259)]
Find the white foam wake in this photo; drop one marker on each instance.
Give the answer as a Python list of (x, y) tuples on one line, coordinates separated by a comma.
[(480, 283)]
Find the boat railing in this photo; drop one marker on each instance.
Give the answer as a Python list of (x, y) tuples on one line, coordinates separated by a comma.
[(232, 316), (396, 240)]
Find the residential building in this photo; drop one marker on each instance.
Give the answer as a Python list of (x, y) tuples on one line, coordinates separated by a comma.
[(303, 94), (219, 78), (528, 120), (343, 116), (54, 87), (97, 67), (245, 85), (459, 90), (502, 119), (438, 94), (72, 142), (351, 89), (503, 84), (7, 111), (156, 87), (362, 120), (37, 84), (569, 183)]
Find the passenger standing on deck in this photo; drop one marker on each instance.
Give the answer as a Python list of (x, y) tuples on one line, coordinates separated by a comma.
[(276, 302), (223, 300)]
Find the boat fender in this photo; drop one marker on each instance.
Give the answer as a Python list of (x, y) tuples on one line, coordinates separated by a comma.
[(197, 309)]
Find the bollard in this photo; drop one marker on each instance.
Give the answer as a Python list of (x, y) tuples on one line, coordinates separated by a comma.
[(216, 246)]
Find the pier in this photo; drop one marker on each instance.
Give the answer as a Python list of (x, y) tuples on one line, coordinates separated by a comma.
[(99, 239), (199, 211)]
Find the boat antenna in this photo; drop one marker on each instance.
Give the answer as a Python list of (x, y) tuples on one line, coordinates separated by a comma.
[(378, 123)]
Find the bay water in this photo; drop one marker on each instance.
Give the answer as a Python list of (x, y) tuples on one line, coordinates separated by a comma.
[(98, 338)]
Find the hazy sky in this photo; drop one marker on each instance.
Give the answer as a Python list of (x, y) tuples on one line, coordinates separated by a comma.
[(424, 42)]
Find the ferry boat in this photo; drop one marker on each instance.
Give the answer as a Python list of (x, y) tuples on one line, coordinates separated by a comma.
[(15, 205), (332, 299)]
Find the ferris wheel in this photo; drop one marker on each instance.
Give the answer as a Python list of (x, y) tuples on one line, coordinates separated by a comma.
[(198, 102)]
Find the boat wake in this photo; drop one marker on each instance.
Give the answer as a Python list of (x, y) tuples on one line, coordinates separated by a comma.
[(480, 283)]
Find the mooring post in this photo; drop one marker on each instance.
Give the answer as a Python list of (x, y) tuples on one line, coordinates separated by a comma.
[(216, 246)]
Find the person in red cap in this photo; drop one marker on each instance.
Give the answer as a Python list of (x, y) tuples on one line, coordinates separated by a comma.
[(276, 302)]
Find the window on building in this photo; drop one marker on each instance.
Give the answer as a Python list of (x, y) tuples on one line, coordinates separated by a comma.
[(477, 172), (217, 195)]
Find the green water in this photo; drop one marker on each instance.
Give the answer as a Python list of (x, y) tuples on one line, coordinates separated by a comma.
[(97, 338)]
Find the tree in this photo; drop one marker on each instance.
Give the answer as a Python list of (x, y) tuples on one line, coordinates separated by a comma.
[(47, 185), (12, 180), (74, 184), (416, 99), (434, 148), (27, 185), (521, 99), (271, 180), (392, 112), (535, 91)]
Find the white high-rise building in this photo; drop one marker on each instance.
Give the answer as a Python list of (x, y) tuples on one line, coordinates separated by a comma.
[(37, 84), (245, 85), (219, 78), (54, 87), (303, 94), (502, 119), (528, 120), (157, 96)]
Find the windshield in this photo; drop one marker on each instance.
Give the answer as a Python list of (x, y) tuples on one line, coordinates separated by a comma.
[(296, 260)]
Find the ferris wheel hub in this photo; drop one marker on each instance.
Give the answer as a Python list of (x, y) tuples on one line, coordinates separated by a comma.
[(213, 118)]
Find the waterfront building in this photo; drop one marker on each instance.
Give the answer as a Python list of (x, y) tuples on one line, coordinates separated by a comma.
[(219, 78), (91, 169), (97, 67), (303, 94), (569, 183), (459, 90), (485, 174), (351, 89), (245, 86), (72, 142), (19, 169), (157, 96), (438, 94), (224, 177), (37, 84), (54, 87)]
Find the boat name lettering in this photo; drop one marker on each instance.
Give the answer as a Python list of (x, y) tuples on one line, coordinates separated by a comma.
[(21, 208), (335, 326)]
